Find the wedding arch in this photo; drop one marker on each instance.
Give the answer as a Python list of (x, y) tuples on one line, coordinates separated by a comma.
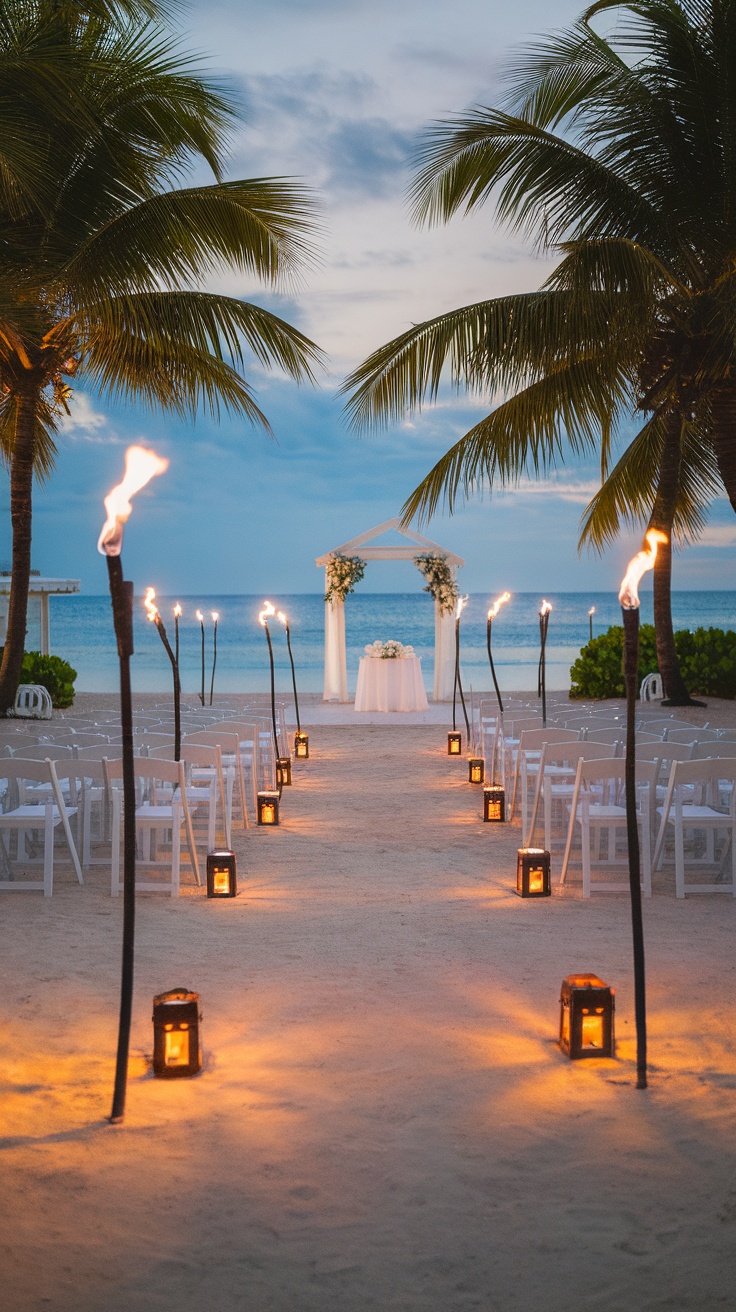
[(336, 675)]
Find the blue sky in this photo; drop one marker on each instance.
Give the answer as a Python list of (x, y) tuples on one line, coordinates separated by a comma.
[(337, 92)]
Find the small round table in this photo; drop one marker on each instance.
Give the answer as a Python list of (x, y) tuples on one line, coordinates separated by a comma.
[(390, 685)]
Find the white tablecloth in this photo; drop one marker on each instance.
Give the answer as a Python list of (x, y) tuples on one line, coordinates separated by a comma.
[(391, 685)]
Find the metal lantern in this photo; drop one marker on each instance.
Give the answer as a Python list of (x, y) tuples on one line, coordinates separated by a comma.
[(301, 746), (586, 1017), (222, 878), (176, 1045), (476, 770), (532, 872), (494, 803), (283, 771), (454, 744), (268, 808)]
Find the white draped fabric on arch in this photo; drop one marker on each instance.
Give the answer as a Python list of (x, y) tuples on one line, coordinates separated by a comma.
[(336, 674)]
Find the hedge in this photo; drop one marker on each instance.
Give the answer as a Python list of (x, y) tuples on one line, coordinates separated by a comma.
[(707, 662)]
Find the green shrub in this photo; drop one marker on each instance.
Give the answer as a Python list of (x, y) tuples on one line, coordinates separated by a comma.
[(53, 673), (707, 662)]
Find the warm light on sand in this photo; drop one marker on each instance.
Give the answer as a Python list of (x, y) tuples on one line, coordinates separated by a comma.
[(141, 466), (638, 566), (498, 603)]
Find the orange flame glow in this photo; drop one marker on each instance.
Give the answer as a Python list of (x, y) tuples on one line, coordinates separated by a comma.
[(461, 604), (177, 610), (592, 610), (281, 616), (545, 608), (215, 615), (141, 466), (638, 566), (200, 616), (267, 611), (498, 603), (151, 610)]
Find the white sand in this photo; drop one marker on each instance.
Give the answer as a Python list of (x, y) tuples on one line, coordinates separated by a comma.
[(385, 1120)]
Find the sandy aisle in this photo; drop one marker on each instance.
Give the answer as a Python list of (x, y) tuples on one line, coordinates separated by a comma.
[(385, 1121)]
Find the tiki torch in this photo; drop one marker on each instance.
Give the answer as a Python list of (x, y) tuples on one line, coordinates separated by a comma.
[(629, 599), (284, 620), (458, 684), (493, 612), (544, 611), (200, 617), (177, 613), (215, 617), (269, 609), (591, 613), (152, 612), (140, 466)]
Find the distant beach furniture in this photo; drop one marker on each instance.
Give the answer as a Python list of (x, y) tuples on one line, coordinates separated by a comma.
[(336, 674)]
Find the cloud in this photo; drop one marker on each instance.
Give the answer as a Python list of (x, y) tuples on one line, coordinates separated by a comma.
[(85, 424), (717, 535)]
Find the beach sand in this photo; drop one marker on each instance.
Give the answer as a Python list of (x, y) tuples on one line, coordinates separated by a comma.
[(384, 1120)]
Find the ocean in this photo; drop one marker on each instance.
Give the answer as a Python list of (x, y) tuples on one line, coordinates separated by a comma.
[(82, 632)]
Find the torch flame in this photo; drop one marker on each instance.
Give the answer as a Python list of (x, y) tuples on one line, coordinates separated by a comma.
[(200, 616), (151, 610), (498, 603), (545, 608), (638, 566), (141, 466), (215, 615), (268, 610), (177, 610), (461, 604), (592, 610), (280, 616)]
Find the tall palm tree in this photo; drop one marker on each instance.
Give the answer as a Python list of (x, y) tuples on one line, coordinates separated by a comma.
[(619, 154), (103, 256)]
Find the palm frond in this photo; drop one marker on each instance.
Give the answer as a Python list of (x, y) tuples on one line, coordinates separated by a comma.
[(206, 322), (529, 432)]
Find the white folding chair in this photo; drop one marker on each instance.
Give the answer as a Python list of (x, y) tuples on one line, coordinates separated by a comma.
[(555, 781), (529, 751), (32, 803), (205, 785), (154, 820), (695, 803), (604, 810)]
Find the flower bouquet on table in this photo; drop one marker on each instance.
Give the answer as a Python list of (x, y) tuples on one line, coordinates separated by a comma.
[(388, 651)]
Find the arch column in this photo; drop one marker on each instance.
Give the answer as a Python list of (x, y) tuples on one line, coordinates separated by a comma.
[(336, 665), (444, 652)]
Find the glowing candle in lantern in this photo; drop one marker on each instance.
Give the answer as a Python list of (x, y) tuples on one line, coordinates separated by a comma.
[(141, 465), (629, 599)]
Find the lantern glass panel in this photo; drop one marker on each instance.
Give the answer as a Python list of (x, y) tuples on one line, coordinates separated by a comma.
[(494, 803), (586, 1017), (301, 746), (454, 744), (268, 808), (283, 771), (221, 874), (533, 872), (476, 770), (176, 1047)]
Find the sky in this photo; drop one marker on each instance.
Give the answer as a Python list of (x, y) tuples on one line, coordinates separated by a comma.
[(336, 92)]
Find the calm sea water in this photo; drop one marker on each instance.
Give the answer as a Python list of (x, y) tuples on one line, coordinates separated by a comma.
[(81, 632)]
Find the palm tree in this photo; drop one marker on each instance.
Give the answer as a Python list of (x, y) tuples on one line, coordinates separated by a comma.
[(618, 154), (103, 257)]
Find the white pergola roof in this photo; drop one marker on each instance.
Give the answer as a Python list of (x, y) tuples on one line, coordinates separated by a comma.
[(395, 552)]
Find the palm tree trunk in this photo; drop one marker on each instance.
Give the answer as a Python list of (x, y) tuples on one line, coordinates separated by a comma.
[(724, 439), (662, 517), (21, 497)]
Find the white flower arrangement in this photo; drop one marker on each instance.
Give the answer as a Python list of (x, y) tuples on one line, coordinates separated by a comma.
[(388, 651), (343, 572), (440, 582)]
